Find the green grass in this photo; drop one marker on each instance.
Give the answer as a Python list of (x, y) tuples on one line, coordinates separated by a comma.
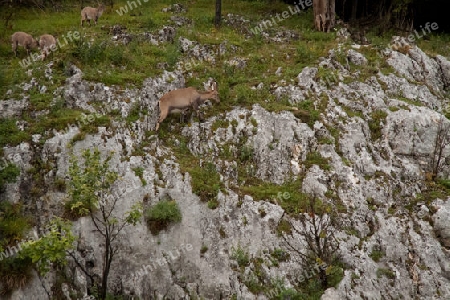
[(376, 255), (314, 158), (375, 123), (241, 256), (10, 133), (162, 214), (8, 174), (14, 270), (384, 272)]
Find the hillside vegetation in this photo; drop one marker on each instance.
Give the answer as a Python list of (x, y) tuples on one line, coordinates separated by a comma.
[(310, 127), (127, 65)]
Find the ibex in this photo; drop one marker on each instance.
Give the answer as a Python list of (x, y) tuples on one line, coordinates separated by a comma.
[(90, 13), (23, 39), (47, 42), (184, 99)]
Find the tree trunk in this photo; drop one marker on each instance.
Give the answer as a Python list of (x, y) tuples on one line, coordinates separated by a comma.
[(354, 10), (106, 268), (218, 13), (324, 14), (332, 13)]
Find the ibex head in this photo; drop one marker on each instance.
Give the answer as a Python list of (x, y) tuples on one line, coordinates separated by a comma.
[(215, 92)]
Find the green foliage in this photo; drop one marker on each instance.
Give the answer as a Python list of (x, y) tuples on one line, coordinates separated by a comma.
[(377, 254), (206, 181), (284, 227), (375, 123), (307, 112), (10, 133), (13, 224), (15, 272), (219, 123), (246, 153), (51, 247), (134, 215), (287, 195), (8, 174), (240, 256), (134, 113), (213, 204), (162, 214), (139, 171), (315, 158), (203, 249), (280, 254), (386, 273), (88, 182)]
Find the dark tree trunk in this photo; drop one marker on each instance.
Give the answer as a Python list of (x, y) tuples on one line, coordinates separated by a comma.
[(354, 10), (108, 259), (218, 13)]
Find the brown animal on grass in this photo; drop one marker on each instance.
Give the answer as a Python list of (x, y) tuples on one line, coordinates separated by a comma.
[(23, 39), (90, 13), (184, 99), (47, 42)]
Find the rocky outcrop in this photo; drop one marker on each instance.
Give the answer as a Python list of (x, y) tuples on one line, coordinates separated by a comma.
[(374, 138)]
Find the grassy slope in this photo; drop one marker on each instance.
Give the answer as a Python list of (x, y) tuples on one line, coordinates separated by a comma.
[(102, 60)]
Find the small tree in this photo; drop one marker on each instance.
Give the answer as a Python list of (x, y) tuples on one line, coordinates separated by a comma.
[(438, 161), (51, 248), (90, 191), (317, 233)]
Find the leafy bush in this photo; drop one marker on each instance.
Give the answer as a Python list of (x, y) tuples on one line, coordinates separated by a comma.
[(162, 214), (8, 174), (88, 182)]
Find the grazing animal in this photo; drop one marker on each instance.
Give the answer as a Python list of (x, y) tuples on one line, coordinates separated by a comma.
[(47, 42), (183, 99), (23, 39), (90, 13)]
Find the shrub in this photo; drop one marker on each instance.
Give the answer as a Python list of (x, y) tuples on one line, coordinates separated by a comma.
[(206, 182), (375, 126), (12, 223), (240, 256), (376, 255), (14, 271), (162, 214), (10, 133), (89, 185), (8, 174)]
